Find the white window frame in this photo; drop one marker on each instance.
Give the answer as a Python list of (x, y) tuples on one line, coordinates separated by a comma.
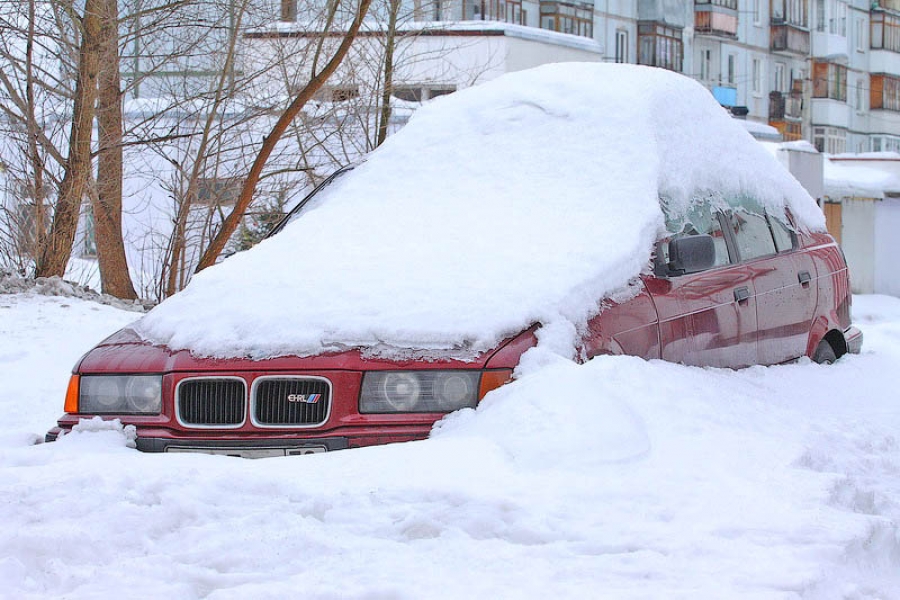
[(860, 35), (757, 76), (705, 64), (780, 70), (621, 46)]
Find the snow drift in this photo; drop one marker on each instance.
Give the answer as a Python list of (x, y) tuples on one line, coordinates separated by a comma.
[(522, 200)]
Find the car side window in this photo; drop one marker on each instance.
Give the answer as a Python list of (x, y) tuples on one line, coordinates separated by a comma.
[(784, 237), (702, 220), (752, 235)]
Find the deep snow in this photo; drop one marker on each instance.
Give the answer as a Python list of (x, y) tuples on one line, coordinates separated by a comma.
[(619, 478), (519, 201)]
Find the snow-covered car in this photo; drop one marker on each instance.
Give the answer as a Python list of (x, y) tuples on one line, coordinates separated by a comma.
[(573, 210)]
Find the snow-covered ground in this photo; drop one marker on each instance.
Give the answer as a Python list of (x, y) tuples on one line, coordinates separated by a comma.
[(615, 479)]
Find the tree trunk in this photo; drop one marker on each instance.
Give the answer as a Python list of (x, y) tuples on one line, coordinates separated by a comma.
[(107, 202), (34, 154), (55, 255), (229, 225), (388, 89)]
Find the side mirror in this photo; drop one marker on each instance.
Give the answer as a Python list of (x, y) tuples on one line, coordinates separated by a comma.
[(691, 254)]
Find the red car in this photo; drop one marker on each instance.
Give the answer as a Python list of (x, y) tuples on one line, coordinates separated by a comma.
[(582, 209), (744, 288)]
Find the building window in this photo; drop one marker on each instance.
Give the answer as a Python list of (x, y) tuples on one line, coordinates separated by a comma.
[(860, 35), (218, 191), (757, 75), (757, 12), (837, 24), (884, 92), (732, 67), (337, 93), (568, 17), (288, 10), (820, 15), (885, 143), (418, 93), (89, 243), (660, 45), (830, 140), (885, 32), (790, 12), (705, 61), (621, 46), (508, 11), (730, 4), (779, 84), (830, 81)]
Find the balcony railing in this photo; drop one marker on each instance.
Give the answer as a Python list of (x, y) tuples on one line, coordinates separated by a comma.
[(713, 21), (790, 39)]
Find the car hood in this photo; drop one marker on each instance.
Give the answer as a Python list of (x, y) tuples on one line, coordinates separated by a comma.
[(126, 352)]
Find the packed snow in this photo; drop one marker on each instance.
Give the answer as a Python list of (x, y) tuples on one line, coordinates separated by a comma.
[(618, 478), (526, 199)]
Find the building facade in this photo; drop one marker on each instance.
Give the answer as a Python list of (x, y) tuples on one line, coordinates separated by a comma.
[(826, 71)]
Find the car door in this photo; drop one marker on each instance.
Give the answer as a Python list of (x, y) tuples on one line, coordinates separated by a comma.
[(783, 309), (706, 318)]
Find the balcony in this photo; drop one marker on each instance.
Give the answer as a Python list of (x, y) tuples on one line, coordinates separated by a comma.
[(884, 61), (828, 45), (785, 107), (718, 18), (790, 39)]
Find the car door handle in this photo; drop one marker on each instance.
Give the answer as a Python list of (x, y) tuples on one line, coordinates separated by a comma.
[(741, 294), (804, 277)]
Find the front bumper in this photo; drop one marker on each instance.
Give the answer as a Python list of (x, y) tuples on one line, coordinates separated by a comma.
[(161, 440)]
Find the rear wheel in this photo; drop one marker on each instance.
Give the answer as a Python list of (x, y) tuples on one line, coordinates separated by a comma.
[(824, 354)]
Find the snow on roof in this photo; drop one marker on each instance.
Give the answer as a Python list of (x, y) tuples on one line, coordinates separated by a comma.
[(524, 32), (760, 130), (522, 200), (852, 179)]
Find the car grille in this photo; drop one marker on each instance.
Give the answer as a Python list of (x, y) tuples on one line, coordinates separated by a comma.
[(283, 401), (211, 402)]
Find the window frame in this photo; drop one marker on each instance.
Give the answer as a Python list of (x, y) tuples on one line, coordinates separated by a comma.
[(730, 218), (661, 45)]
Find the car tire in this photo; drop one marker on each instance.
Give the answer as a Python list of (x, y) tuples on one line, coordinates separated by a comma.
[(824, 354)]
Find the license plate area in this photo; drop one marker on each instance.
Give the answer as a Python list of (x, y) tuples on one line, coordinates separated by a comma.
[(251, 452)]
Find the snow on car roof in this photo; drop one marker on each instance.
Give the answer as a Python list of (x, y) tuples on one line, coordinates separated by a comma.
[(522, 200)]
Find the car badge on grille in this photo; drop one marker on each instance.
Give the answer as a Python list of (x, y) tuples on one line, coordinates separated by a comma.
[(304, 398)]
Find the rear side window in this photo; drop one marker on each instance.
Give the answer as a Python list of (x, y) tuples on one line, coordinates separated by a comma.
[(784, 239), (752, 235)]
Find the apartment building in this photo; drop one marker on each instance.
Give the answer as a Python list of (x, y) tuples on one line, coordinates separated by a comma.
[(827, 71)]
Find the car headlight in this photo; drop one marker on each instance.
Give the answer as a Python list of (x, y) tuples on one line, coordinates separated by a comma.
[(115, 394), (418, 391)]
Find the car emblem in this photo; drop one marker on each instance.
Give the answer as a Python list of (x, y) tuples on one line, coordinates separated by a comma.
[(304, 398)]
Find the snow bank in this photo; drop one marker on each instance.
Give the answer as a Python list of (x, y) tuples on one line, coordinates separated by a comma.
[(522, 200), (619, 478)]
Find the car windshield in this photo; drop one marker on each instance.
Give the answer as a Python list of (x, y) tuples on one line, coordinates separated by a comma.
[(295, 212)]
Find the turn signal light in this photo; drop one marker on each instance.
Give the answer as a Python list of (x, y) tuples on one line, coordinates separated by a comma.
[(491, 380), (71, 405)]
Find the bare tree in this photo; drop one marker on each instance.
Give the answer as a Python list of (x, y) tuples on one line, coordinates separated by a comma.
[(107, 202), (55, 254), (317, 79)]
